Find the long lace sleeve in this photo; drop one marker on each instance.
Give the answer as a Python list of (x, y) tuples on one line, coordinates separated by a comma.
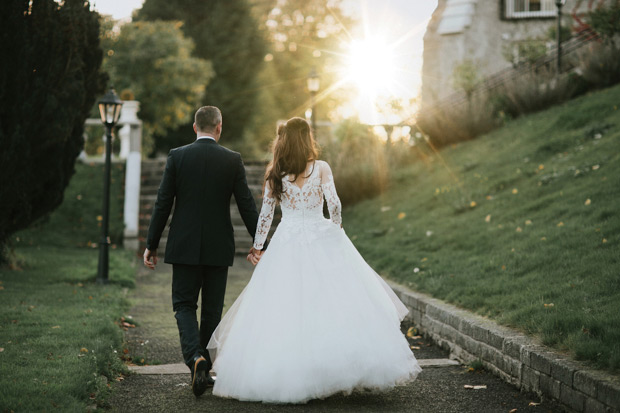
[(264, 219), (329, 191)]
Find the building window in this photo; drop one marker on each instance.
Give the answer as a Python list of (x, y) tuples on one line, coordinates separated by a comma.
[(523, 9)]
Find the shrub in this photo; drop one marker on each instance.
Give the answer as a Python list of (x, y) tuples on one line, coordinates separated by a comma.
[(535, 90), (358, 161), (606, 21), (48, 84), (461, 121), (600, 64)]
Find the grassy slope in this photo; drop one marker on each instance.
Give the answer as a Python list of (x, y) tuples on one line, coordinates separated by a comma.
[(513, 222), (57, 330)]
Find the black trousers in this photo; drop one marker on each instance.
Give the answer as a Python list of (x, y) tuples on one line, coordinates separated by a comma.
[(187, 283)]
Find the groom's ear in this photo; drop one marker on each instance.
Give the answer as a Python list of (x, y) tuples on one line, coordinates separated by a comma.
[(195, 128)]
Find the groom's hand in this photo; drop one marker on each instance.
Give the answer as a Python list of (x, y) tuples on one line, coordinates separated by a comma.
[(150, 258)]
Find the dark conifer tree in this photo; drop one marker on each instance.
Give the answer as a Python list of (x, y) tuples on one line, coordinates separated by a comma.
[(49, 80)]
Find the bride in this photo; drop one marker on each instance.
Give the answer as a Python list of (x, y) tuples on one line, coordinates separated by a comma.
[(315, 319)]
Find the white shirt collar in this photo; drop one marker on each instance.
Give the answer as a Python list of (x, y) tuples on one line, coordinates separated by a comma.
[(206, 137)]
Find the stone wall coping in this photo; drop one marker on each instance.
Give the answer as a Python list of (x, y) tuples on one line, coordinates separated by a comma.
[(512, 355)]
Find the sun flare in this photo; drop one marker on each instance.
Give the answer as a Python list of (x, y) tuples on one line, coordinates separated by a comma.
[(370, 66)]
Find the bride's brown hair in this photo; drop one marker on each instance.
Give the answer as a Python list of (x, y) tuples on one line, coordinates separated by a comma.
[(292, 149)]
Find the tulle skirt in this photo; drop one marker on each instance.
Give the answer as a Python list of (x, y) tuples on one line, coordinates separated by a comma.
[(313, 321)]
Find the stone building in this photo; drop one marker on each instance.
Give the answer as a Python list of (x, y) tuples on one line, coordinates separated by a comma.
[(487, 33)]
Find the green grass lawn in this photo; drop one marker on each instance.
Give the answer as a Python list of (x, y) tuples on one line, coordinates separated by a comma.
[(521, 225), (59, 341)]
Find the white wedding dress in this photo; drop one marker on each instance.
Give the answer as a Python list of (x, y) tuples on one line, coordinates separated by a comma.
[(314, 319)]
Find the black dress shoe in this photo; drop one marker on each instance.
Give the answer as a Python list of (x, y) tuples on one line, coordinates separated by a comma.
[(200, 376)]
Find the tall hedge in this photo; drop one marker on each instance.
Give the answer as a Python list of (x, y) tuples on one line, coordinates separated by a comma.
[(226, 33), (50, 76)]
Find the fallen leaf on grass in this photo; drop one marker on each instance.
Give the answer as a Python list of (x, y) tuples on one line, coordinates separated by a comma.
[(513, 411), (412, 332), (549, 305), (488, 218), (385, 208), (83, 350), (1, 287), (515, 191), (528, 222), (519, 229), (401, 215), (604, 240), (477, 387), (415, 347), (473, 204), (1, 349), (534, 404), (560, 224)]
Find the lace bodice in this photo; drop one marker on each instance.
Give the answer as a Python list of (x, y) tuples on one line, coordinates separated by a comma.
[(302, 207)]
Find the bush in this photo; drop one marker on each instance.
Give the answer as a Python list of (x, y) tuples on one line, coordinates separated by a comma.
[(600, 65), (535, 90), (358, 161), (606, 21), (48, 84), (460, 122)]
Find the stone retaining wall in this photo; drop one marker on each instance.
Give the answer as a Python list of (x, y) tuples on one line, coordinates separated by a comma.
[(515, 357)]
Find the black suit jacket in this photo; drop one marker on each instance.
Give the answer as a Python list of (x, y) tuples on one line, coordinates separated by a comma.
[(200, 179)]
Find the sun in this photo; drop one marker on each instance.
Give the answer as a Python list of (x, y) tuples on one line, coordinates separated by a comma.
[(370, 66)]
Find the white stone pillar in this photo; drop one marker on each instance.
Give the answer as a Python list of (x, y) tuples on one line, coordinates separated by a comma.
[(129, 115), (131, 150)]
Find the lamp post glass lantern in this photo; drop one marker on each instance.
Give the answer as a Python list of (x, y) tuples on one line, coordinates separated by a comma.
[(559, 4), (313, 87), (110, 109)]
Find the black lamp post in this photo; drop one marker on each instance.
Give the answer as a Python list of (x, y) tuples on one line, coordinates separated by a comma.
[(110, 110), (313, 87), (559, 4)]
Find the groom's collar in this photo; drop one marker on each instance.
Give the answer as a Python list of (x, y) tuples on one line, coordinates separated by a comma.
[(205, 137)]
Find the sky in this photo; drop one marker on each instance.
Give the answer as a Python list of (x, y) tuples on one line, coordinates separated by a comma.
[(399, 23)]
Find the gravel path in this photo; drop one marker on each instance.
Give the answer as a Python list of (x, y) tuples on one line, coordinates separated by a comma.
[(155, 339)]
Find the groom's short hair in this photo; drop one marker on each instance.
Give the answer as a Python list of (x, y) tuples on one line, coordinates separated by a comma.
[(207, 118)]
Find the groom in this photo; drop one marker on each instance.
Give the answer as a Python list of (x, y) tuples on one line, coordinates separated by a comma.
[(199, 180)]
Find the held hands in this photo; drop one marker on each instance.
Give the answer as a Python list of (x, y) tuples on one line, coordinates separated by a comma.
[(150, 258), (254, 256)]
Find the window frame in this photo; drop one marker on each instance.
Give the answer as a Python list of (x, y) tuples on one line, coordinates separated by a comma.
[(548, 10)]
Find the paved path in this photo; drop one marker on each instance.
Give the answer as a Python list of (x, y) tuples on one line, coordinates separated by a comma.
[(163, 386)]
